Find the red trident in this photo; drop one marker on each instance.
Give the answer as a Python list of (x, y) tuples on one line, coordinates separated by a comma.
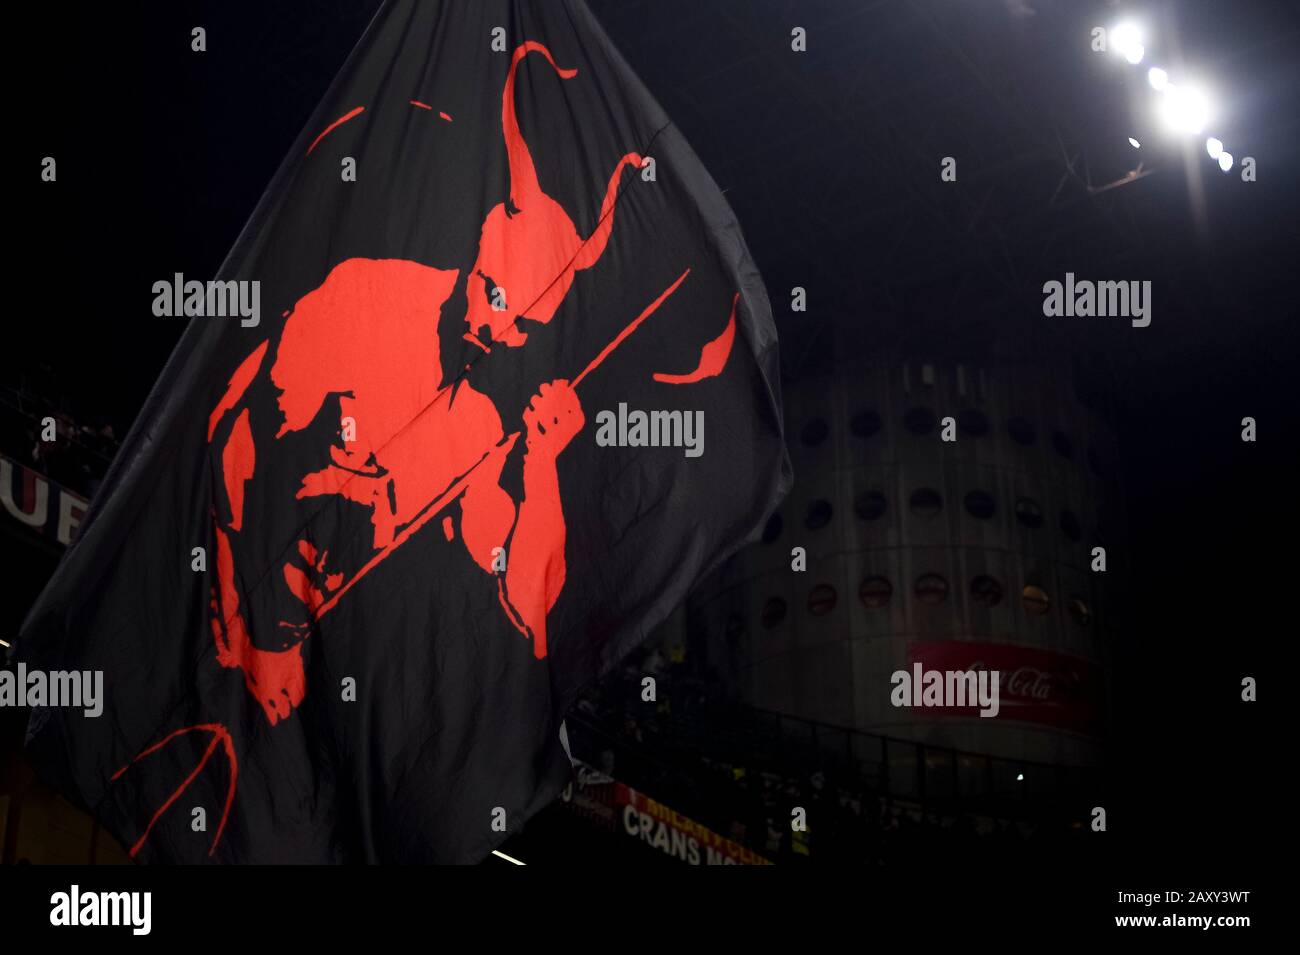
[(459, 484)]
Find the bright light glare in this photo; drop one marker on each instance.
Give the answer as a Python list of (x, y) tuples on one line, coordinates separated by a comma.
[(1158, 78), (1213, 147), (1225, 161), (1134, 143), (1185, 110), (1127, 42)]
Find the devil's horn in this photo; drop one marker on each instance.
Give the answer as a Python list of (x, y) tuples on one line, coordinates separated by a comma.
[(523, 175)]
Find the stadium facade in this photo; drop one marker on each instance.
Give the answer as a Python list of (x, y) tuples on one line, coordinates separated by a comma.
[(971, 553)]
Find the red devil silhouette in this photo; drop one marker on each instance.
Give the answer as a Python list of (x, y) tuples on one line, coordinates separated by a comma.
[(527, 243), (414, 436), (367, 338)]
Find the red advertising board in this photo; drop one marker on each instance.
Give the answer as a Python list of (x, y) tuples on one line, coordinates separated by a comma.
[(1034, 686), (610, 804)]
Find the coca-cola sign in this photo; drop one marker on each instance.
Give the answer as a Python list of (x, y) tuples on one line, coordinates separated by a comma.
[(1028, 682), (1036, 686)]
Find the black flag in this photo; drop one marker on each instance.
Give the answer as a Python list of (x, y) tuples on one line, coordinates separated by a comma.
[(487, 382)]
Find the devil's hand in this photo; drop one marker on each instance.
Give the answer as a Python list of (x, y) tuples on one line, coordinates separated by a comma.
[(553, 416)]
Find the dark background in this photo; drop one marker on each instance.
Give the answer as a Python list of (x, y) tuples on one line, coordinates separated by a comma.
[(830, 160)]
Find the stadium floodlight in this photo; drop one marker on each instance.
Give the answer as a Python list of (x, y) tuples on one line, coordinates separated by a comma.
[(1158, 78), (1213, 147), (1126, 40), (1134, 143), (1225, 161), (1185, 110)]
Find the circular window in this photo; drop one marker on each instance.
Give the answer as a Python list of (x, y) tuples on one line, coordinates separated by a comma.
[(919, 421), (1062, 443), (772, 530), (773, 612), (925, 502), (821, 600), (973, 423), (734, 628), (865, 423), (1070, 525), (985, 591), (819, 514), (1035, 600), (814, 432), (1021, 431), (870, 505), (930, 589), (875, 592), (1029, 513), (1079, 610), (980, 504)]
